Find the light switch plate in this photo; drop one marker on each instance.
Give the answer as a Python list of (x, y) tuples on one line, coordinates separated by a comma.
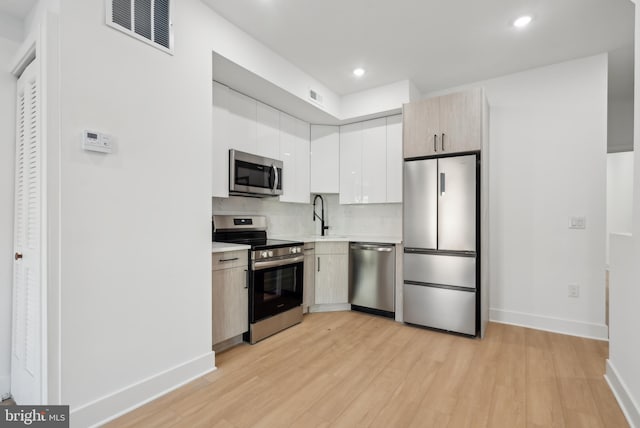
[(96, 142), (577, 223), (573, 290)]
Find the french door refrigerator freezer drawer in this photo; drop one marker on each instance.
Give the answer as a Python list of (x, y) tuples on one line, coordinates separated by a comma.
[(445, 309), (440, 269)]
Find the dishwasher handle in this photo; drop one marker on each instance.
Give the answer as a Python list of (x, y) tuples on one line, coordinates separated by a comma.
[(372, 247)]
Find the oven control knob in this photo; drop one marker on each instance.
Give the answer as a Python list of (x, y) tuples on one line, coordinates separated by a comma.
[(264, 254), (270, 253), (296, 250)]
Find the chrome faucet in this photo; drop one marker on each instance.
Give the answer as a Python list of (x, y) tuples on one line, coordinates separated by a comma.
[(321, 217)]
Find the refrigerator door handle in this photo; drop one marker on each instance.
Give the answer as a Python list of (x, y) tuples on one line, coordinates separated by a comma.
[(442, 183)]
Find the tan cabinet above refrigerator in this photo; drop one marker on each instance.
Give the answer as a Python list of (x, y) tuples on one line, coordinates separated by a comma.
[(444, 125)]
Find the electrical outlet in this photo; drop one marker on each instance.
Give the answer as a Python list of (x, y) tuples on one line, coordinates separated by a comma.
[(574, 290)]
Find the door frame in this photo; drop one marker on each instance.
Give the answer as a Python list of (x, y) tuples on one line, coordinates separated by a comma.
[(43, 42), (27, 55)]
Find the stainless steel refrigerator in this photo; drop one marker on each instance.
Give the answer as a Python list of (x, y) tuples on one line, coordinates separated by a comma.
[(441, 240)]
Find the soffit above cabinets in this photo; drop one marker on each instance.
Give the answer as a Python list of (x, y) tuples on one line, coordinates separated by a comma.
[(248, 83)]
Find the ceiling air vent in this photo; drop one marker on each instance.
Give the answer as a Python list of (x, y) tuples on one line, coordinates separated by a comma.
[(315, 97), (146, 20)]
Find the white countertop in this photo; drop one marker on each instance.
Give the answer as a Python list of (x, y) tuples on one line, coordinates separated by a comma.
[(221, 247), (342, 238)]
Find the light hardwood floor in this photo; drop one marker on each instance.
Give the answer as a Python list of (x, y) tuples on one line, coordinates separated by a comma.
[(347, 369)]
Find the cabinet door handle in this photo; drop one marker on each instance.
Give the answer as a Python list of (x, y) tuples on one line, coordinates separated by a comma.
[(435, 143), (229, 260), (318, 264), (275, 181), (442, 141), (246, 282)]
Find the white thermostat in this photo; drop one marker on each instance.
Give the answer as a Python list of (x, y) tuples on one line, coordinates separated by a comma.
[(96, 142)]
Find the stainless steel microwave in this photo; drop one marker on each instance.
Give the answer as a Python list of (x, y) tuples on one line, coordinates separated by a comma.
[(256, 176)]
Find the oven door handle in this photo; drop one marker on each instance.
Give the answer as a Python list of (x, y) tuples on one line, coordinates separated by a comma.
[(276, 263)]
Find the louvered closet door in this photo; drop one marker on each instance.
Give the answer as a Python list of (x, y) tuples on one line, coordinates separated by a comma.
[(26, 353)]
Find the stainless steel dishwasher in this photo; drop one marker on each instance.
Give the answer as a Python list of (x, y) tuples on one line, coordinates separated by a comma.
[(372, 278)]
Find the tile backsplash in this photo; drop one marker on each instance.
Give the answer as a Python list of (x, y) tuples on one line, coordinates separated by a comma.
[(282, 218), (296, 219), (366, 219)]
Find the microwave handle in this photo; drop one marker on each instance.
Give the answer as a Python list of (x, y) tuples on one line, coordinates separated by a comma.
[(275, 182)]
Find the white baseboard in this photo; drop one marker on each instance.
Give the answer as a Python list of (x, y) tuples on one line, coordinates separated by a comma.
[(118, 403), (555, 325), (330, 307), (5, 386), (629, 407)]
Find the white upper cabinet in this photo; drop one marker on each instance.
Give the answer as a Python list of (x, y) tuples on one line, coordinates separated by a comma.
[(374, 161), (371, 161), (351, 163), (394, 159), (242, 122), (325, 159), (268, 132), (294, 153), (220, 152), (303, 147)]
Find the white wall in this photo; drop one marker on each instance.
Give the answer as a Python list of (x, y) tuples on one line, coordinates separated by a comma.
[(548, 162), (11, 28), (387, 98), (624, 347), (135, 246), (7, 153), (620, 126), (619, 194)]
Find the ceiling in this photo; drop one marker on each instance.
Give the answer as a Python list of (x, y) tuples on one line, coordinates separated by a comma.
[(16, 8), (437, 44)]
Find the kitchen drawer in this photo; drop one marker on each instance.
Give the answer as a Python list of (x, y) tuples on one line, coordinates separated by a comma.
[(341, 247), (446, 309), (440, 269), (229, 259)]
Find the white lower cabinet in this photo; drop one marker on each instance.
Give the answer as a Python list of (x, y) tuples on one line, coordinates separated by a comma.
[(229, 295), (332, 273)]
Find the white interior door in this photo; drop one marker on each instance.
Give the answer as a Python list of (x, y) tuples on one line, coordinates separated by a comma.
[(26, 352)]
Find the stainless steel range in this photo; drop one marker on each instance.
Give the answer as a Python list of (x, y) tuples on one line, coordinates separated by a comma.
[(276, 272)]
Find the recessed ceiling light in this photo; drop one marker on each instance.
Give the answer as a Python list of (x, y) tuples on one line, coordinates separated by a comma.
[(521, 22), (358, 72)]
